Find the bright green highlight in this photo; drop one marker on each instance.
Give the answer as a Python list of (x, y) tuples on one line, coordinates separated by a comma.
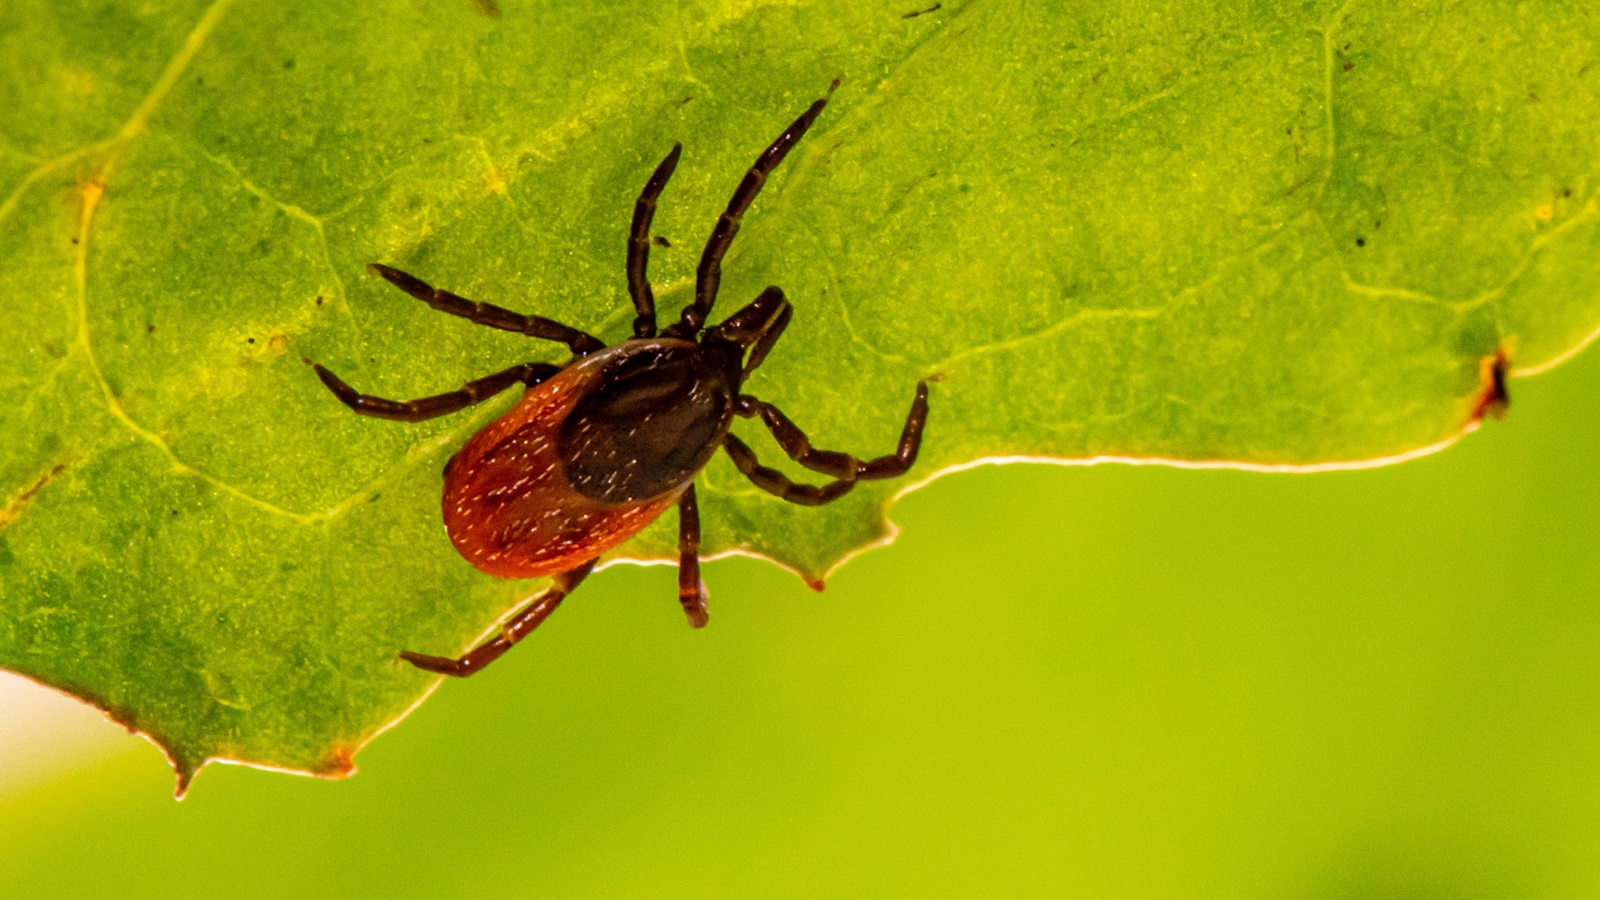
[(1241, 233)]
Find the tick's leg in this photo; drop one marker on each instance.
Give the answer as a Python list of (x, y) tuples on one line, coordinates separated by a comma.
[(526, 620), (442, 404), (577, 341), (842, 465), (644, 209), (709, 275), (774, 482), (691, 590)]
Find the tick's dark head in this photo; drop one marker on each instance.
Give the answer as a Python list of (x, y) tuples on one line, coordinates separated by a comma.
[(743, 339)]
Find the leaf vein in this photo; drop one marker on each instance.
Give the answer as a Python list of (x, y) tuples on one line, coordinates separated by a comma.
[(1044, 334), (92, 193), (1385, 292), (198, 35), (1537, 245), (39, 172), (13, 509), (293, 211), (1329, 29)]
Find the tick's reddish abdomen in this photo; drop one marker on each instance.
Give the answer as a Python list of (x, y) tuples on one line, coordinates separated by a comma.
[(508, 506)]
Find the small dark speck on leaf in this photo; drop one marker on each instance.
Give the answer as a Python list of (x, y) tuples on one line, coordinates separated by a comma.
[(319, 299), (374, 497), (74, 242), (149, 329), (686, 100), (487, 9), (660, 241), (289, 63), (1566, 192), (200, 80), (1361, 242), (1348, 65), (249, 340), (922, 12), (1377, 223), (427, 140)]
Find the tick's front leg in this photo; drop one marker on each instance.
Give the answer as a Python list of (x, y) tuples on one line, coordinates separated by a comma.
[(426, 408)]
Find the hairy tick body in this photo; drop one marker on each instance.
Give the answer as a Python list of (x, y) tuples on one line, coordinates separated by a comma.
[(597, 449), (587, 458)]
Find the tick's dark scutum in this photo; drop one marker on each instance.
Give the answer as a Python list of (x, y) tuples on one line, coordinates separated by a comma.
[(655, 419)]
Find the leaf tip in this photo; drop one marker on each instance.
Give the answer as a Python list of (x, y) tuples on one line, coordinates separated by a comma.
[(185, 769), (1493, 398), (339, 763)]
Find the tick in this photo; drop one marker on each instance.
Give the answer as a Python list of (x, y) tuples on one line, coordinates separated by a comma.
[(598, 448)]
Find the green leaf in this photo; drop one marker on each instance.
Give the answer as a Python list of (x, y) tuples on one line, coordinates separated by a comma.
[(1233, 234)]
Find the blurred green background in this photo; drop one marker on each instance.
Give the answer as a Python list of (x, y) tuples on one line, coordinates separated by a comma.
[(1094, 682)]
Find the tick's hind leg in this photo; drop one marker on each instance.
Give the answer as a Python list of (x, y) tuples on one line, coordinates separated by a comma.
[(439, 405), (774, 482), (517, 628), (691, 590), (844, 468), (578, 342)]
